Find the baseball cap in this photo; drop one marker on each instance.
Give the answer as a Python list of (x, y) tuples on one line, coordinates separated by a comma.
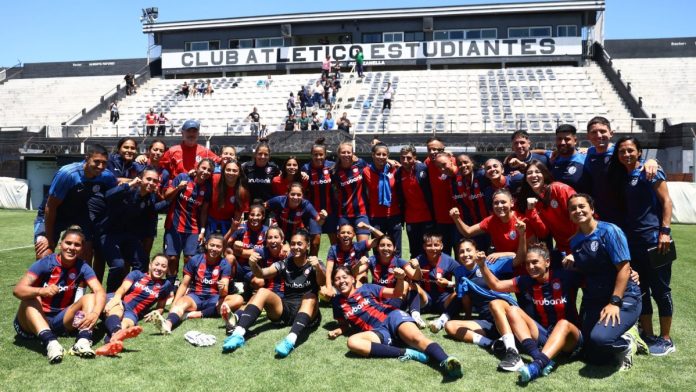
[(191, 124)]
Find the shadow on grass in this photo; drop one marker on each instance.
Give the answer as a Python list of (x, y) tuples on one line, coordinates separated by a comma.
[(31, 344), (597, 372)]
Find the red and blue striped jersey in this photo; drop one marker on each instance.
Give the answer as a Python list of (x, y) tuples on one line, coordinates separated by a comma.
[(185, 209), (444, 268), (351, 192), (319, 190), (469, 197), (363, 309), (51, 271), (290, 220), (144, 291), (250, 240), (371, 178), (276, 284), (554, 300), (383, 275), (348, 258), (205, 276)]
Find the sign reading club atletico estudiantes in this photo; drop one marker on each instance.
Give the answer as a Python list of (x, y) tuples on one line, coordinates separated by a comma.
[(514, 47)]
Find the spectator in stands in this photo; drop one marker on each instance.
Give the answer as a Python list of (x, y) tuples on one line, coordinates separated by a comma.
[(317, 93), (130, 83), (344, 123), (316, 122), (113, 109), (326, 67), (303, 121), (150, 122), (162, 124), (388, 93), (329, 123), (268, 82), (183, 157), (516, 163), (324, 41), (291, 123), (304, 98), (255, 119), (209, 88), (331, 96), (290, 105), (201, 89), (359, 61), (184, 90)]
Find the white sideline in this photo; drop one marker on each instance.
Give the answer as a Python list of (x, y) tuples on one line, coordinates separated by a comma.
[(19, 247)]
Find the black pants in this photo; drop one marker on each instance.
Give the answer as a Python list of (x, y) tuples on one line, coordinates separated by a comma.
[(150, 130), (161, 130), (386, 104)]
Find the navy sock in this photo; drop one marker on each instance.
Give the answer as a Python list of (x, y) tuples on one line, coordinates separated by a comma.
[(174, 318), (542, 361), (436, 352), (531, 347), (301, 322), (47, 336), (379, 350), (84, 334), (414, 301), (113, 324), (209, 311), (248, 316)]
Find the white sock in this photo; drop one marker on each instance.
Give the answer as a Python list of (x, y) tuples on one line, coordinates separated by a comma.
[(443, 318), (476, 337), (79, 293), (509, 341), (292, 337), (239, 331), (415, 314)]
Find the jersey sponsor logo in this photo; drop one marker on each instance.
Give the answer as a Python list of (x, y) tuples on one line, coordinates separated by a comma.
[(145, 288), (513, 234), (634, 181), (594, 245), (259, 180), (384, 281), (321, 182), (190, 199), (62, 288), (296, 285), (572, 170), (547, 302), (351, 180), (357, 308), (460, 196), (554, 203), (208, 281)]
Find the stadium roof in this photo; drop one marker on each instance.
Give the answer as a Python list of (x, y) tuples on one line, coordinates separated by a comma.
[(392, 13)]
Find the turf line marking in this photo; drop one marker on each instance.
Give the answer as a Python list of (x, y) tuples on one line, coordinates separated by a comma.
[(19, 247)]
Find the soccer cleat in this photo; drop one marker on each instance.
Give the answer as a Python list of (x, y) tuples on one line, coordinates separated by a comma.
[(529, 372), (110, 349), (127, 333), (160, 323), (662, 347), (229, 317), (452, 367), (634, 335), (512, 361), (498, 348), (54, 352), (82, 348), (284, 347), (435, 326), (419, 321), (414, 355), (548, 368), (627, 357), (232, 343)]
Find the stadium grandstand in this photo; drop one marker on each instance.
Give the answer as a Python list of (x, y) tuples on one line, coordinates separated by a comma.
[(473, 73)]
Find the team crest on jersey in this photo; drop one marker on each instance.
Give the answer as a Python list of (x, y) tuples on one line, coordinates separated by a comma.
[(326, 171), (215, 272), (554, 203), (298, 213), (71, 276), (556, 286), (422, 174), (352, 254), (572, 170), (634, 181), (306, 272), (513, 234), (355, 170), (459, 183), (260, 237), (157, 285), (390, 270), (232, 199), (594, 246), (142, 204), (96, 188), (478, 273), (443, 177), (201, 193), (606, 159), (269, 170), (198, 159)]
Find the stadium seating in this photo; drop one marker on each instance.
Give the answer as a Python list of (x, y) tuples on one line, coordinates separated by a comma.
[(469, 100), (51, 101), (667, 85)]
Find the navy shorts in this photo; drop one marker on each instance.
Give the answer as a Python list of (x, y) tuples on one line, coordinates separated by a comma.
[(213, 225), (203, 302), (290, 309), (55, 323), (388, 332), (330, 225), (487, 324), (175, 243), (39, 227), (127, 311), (314, 228), (354, 222)]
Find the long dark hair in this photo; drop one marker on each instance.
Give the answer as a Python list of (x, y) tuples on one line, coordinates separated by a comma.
[(617, 173), (283, 171), (240, 188), (526, 191)]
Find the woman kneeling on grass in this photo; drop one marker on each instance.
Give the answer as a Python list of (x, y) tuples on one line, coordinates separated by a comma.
[(124, 308), (206, 277), (47, 294), (381, 326), (303, 276)]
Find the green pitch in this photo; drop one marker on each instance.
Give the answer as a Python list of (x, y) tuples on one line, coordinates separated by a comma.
[(168, 363)]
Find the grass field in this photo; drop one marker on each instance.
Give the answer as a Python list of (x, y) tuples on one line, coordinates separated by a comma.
[(165, 363)]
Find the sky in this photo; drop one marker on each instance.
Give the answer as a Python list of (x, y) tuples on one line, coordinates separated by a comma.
[(49, 30)]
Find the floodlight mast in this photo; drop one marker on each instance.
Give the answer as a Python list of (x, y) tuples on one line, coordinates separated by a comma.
[(149, 16)]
